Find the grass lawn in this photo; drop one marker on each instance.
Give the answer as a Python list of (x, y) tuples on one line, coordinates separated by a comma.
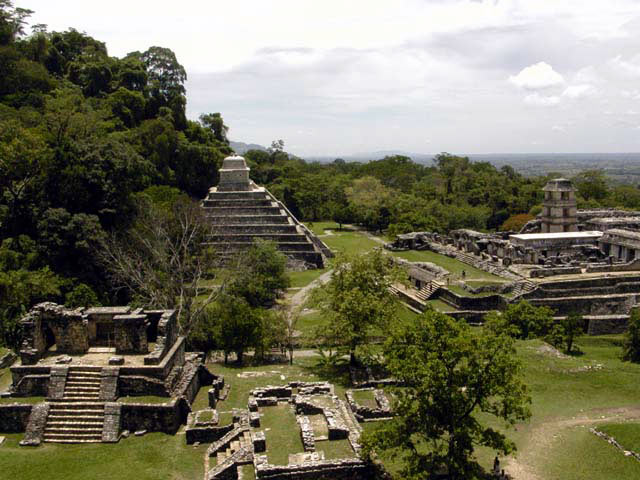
[(455, 267), (5, 379), (31, 400), (282, 433), (627, 434), (302, 279), (319, 227), (440, 305), (150, 457), (578, 454), (335, 449), (365, 398), (349, 242)]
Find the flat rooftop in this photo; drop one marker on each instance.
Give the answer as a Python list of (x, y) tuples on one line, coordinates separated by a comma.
[(557, 236)]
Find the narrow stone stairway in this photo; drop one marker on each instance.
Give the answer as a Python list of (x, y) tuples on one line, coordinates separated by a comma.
[(244, 441), (78, 417)]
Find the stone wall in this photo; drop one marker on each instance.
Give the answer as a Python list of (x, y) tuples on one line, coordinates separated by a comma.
[(32, 386), (111, 427), (165, 418), (14, 417), (341, 469), (137, 385), (36, 424), (208, 434), (489, 302)]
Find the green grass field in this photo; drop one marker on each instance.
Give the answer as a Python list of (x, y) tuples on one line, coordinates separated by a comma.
[(627, 434), (150, 457), (304, 278), (455, 267), (278, 423)]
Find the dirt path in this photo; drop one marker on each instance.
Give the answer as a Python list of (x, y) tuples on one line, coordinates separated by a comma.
[(297, 299), (541, 438)]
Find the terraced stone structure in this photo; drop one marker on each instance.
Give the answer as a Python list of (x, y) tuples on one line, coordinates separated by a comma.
[(242, 212), (84, 361)]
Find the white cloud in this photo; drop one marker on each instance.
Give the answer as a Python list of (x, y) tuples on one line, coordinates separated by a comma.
[(629, 67), (538, 76), (558, 128), (542, 100), (579, 91)]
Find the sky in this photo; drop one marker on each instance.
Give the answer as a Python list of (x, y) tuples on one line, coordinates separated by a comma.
[(340, 77)]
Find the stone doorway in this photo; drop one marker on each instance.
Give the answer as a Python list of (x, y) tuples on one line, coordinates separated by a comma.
[(104, 335)]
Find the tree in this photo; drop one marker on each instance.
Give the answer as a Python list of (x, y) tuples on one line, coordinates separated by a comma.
[(369, 199), (631, 342), (236, 326), (572, 328), (592, 185), (522, 320), (260, 275), (12, 21), (515, 222), (163, 260), (452, 380), (357, 298), (215, 123)]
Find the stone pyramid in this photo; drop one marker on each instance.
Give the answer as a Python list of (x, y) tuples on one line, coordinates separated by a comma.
[(241, 212)]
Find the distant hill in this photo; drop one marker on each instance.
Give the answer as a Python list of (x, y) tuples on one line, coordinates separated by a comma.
[(241, 148), (620, 167)]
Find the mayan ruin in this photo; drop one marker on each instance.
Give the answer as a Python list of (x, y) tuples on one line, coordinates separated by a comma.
[(304, 240)]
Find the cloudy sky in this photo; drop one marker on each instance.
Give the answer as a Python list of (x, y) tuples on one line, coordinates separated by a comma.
[(334, 77)]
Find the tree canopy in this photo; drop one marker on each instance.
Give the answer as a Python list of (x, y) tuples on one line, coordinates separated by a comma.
[(452, 380)]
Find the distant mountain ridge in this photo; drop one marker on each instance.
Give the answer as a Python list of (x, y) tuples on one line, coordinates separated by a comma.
[(241, 148)]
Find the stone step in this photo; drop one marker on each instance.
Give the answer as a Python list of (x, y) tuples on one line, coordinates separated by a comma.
[(88, 430), (63, 403), (64, 440), (78, 397), (239, 202), (262, 228), (235, 211), (236, 195), (74, 423), (72, 437), (84, 387), (84, 369), (250, 237), (80, 418), (283, 247), (249, 219)]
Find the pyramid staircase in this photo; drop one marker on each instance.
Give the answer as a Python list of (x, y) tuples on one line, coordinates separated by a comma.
[(77, 417), (241, 217)]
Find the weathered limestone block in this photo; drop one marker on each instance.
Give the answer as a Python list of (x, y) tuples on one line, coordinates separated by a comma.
[(36, 425), (131, 333), (111, 428), (254, 419), (259, 441), (109, 383), (57, 382), (267, 401), (306, 432)]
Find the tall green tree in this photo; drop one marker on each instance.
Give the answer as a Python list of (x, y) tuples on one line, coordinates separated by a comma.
[(260, 275), (452, 381), (357, 298)]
